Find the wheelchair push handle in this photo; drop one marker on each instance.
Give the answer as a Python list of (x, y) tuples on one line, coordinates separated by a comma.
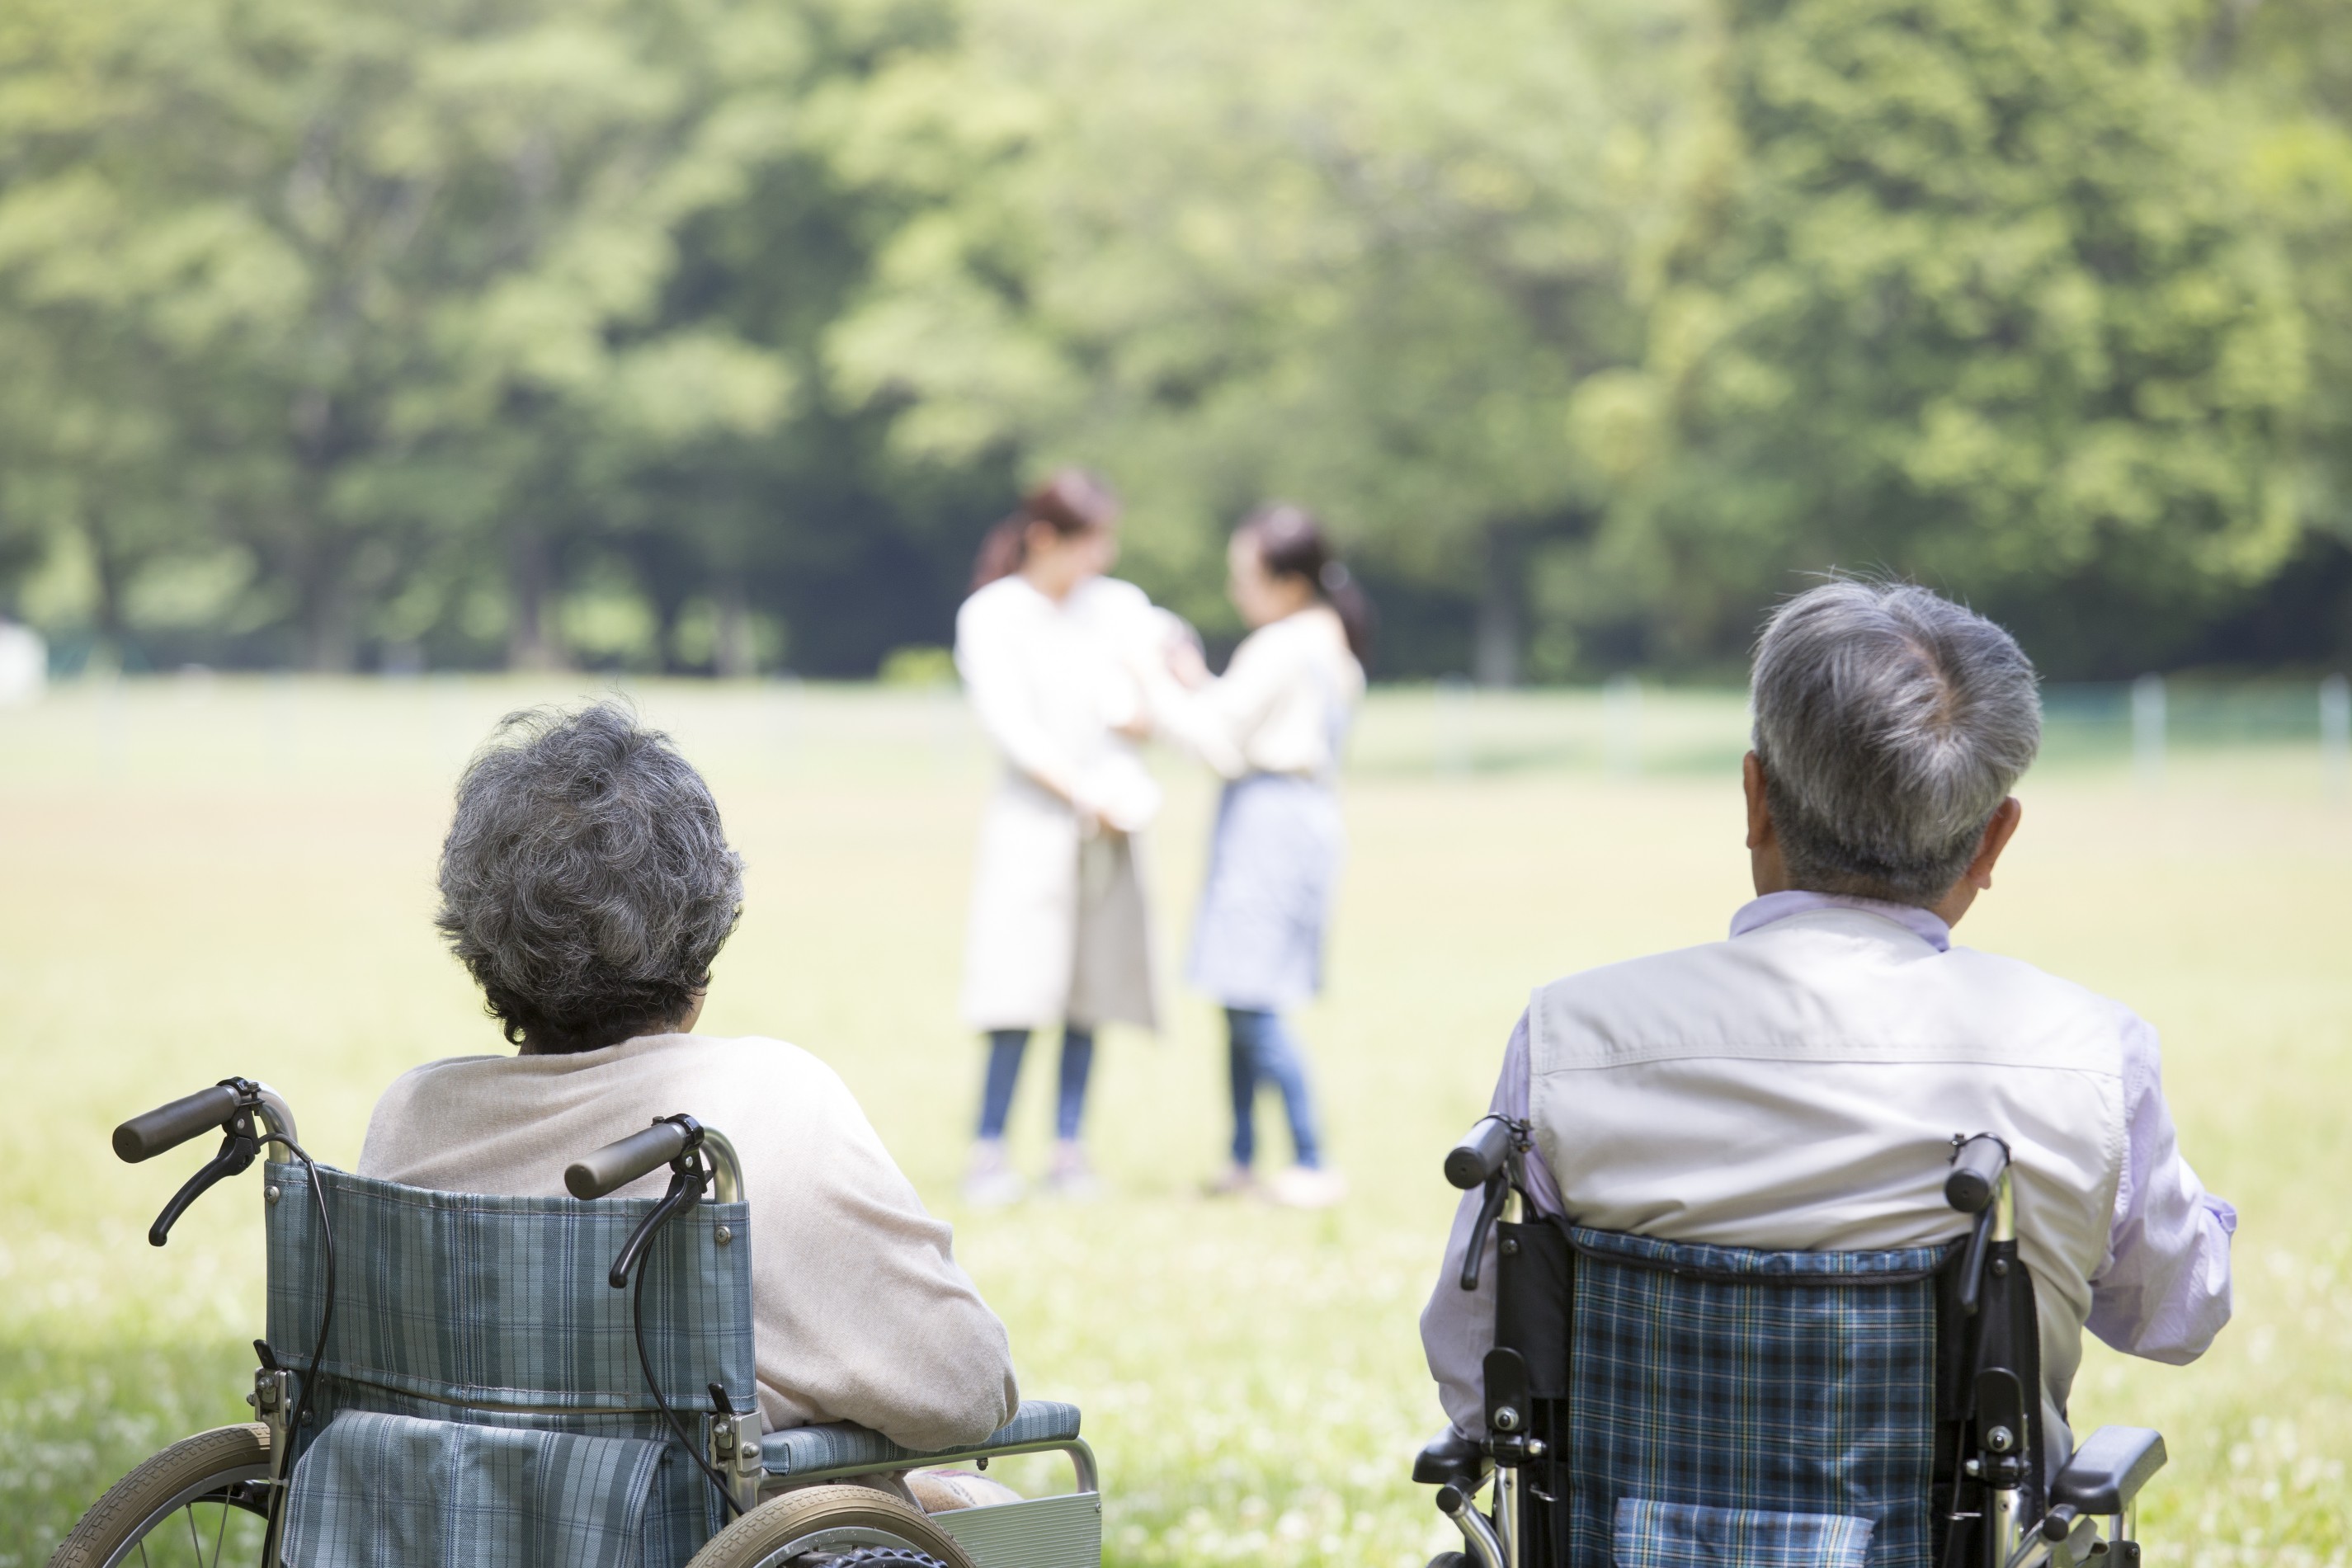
[(1976, 1167), (166, 1127), (617, 1164), (1475, 1160)]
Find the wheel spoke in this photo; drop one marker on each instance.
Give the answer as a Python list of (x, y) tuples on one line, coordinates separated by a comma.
[(219, 1531), (196, 1542)]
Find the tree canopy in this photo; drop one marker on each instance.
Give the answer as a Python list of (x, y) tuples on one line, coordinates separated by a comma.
[(709, 333)]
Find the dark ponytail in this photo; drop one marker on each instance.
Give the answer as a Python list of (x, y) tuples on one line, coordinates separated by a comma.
[(1072, 502), (1293, 544)]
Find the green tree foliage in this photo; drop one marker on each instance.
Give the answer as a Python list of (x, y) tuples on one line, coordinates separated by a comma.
[(1971, 292), (2288, 66), (707, 333), (381, 299), (1355, 251)]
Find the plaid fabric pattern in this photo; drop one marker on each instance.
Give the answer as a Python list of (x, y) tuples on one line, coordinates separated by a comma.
[(1677, 1535), (390, 1491), (682, 1514), (1736, 1381), (798, 1450), (502, 1300), (494, 1313)]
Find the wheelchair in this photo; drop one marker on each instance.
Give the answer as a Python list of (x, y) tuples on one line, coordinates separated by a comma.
[(1668, 1404), (509, 1383)]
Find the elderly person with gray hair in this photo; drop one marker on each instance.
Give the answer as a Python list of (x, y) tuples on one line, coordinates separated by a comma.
[(1797, 1086), (587, 886)]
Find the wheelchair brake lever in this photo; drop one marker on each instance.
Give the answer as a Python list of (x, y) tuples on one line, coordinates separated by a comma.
[(238, 1147), (686, 1183), (1498, 1192), (1972, 1265)]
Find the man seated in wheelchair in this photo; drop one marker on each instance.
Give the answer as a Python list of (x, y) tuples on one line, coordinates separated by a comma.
[(587, 885), (1752, 1143)]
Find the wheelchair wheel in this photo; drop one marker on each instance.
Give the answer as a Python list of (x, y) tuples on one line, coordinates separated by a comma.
[(833, 1527), (201, 1502)]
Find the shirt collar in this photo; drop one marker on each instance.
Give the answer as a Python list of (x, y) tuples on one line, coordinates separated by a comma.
[(1759, 913)]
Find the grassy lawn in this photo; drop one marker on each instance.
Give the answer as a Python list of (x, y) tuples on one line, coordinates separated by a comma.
[(200, 878)]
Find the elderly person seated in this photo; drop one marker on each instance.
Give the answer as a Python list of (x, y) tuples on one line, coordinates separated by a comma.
[(1797, 1086), (587, 886)]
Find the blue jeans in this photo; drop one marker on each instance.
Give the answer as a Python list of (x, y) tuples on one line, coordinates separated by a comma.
[(1263, 1052), (1005, 1047)]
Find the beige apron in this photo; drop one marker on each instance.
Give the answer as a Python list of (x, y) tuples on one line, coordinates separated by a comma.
[(1059, 926)]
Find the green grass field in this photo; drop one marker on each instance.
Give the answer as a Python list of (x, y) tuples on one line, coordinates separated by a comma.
[(201, 877)]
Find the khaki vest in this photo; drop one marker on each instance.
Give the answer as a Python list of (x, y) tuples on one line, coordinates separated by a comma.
[(1799, 1087)]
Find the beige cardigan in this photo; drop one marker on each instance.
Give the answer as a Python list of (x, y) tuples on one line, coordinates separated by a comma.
[(1278, 708), (860, 1313)]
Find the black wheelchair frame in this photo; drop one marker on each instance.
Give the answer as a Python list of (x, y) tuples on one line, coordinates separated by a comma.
[(1991, 1507)]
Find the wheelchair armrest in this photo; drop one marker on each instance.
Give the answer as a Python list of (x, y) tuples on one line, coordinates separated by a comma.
[(1449, 1458), (840, 1445), (2108, 1471)]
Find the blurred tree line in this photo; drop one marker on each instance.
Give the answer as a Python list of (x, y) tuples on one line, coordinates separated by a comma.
[(710, 334)]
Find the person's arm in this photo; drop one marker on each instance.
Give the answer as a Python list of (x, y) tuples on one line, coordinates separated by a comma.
[(988, 657), (1215, 722), (1457, 1327), (862, 1311), (2164, 1290)]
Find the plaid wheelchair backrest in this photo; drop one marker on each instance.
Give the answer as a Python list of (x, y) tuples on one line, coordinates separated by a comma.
[(480, 1402), (1748, 1410)]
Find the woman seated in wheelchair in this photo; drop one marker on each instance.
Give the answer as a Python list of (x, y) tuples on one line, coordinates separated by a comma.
[(587, 886)]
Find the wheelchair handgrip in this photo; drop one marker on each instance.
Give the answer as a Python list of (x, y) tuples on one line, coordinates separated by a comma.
[(615, 1166), (1976, 1165), (1473, 1160), (168, 1126)]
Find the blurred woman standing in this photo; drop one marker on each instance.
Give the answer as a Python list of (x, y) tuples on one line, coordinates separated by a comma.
[(1272, 725), (1059, 931)]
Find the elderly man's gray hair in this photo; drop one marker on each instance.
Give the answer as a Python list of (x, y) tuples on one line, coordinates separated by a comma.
[(585, 882), (1891, 725)]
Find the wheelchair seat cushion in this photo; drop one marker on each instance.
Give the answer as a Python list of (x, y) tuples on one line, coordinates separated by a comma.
[(806, 1450)]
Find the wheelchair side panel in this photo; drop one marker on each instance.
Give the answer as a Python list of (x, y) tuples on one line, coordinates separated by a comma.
[(1063, 1531)]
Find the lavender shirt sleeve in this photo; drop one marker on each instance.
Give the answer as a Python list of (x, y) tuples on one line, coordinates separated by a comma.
[(2163, 1291), (1457, 1327)]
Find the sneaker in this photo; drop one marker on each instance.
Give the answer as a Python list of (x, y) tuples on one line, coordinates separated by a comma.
[(1306, 1186), (991, 1182), (1236, 1181), (1071, 1179)]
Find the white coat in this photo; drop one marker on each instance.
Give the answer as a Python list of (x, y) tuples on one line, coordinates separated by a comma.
[(1060, 927)]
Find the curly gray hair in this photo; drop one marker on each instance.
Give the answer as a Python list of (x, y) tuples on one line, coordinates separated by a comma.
[(585, 882), (1890, 724)]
